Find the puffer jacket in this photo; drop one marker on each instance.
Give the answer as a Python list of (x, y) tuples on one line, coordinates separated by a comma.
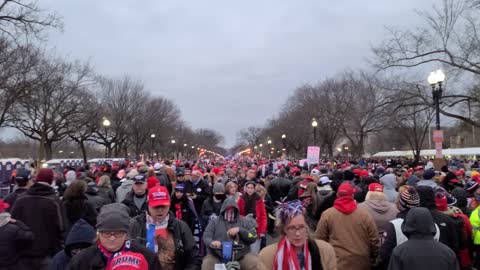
[(186, 251), (217, 231), (13, 238), (81, 233)]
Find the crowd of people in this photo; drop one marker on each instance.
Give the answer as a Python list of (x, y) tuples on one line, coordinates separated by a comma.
[(243, 213)]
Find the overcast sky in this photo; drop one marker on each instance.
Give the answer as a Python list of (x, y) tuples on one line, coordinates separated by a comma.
[(227, 64)]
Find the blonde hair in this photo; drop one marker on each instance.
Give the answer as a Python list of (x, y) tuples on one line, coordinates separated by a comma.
[(228, 186), (261, 189), (375, 195), (104, 181)]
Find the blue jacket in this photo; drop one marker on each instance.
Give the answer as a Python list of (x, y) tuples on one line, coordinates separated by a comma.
[(81, 234)]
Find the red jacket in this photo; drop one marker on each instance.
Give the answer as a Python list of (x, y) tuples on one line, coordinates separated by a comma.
[(261, 215)]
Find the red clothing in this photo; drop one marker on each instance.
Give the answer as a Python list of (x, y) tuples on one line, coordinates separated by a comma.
[(261, 214), (464, 256)]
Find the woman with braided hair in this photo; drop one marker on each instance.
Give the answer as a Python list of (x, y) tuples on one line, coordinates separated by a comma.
[(296, 249)]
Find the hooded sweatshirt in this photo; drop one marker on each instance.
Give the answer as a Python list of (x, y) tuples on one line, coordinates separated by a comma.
[(217, 230), (421, 251), (389, 182), (382, 212), (82, 234), (122, 190)]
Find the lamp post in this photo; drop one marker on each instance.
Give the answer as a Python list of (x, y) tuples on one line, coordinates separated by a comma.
[(173, 148), (152, 138), (435, 79), (106, 124), (284, 143), (314, 126)]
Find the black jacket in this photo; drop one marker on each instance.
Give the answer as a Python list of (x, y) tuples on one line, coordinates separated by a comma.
[(186, 251), (202, 190), (13, 238), (95, 199), (209, 208), (421, 251), (279, 188), (93, 259), (107, 194), (187, 209), (12, 197), (41, 210), (133, 210), (80, 209)]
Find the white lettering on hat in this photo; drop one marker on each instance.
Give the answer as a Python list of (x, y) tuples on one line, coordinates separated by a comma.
[(159, 195)]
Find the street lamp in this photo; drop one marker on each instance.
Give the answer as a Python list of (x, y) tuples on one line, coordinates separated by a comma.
[(435, 79), (314, 126), (269, 141), (184, 145), (106, 123), (261, 145), (172, 141)]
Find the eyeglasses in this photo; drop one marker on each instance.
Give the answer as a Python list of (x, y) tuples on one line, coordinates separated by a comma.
[(116, 234), (295, 229)]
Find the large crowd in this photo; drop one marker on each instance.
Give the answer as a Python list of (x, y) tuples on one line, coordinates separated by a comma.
[(243, 213)]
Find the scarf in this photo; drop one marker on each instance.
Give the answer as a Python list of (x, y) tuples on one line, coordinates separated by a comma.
[(345, 204), (155, 229), (229, 214), (250, 204), (178, 211), (286, 257)]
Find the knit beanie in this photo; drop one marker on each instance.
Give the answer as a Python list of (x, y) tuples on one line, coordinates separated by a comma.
[(44, 175), (113, 217), (409, 198), (218, 188), (428, 174)]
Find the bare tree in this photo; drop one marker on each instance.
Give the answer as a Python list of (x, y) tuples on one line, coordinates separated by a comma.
[(16, 78), (249, 136), (55, 101), (23, 19), (449, 38)]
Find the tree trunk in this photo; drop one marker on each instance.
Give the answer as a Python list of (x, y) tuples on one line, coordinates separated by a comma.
[(47, 146), (84, 151)]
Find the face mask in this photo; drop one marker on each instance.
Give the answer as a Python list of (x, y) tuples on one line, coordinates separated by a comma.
[(220, 197)]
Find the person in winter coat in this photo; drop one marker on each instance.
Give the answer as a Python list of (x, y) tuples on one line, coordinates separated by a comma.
[(351, 231), (314, 254), (270, 208), (198, 189), (36, 207), (326, 198), (279, 187), (105, 189), (462, 202), (24, 181), (136, 199), (126, 185), (81, 236), (427, 180), (473, 189), (113, 250), (250, 203), (393, 235), (170, 238), (421, 251), (381, 210), (231, 190), (14, 236), (445, 202), (230, 226), (310, 203), (183, 208), (451, 232), (389, 182), (77, 206), (94, 198), (162, 176), (211, 207)]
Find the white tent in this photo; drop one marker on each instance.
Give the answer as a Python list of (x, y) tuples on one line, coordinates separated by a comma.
[(451, 152)]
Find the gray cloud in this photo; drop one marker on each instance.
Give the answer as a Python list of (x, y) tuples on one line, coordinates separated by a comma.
[(227, 64)]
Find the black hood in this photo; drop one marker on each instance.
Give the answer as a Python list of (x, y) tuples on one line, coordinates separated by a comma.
[(461, 195), (419, 224), (41, 190), (81, 233)]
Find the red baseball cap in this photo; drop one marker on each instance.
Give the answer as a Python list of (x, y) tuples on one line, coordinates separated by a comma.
[(459, 173), (345, 189), (419, 168), (364, 174), (158, 196), (375, 187)]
